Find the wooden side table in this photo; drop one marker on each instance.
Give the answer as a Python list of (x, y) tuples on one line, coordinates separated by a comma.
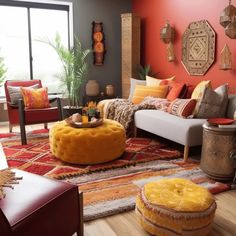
[(218, 152)]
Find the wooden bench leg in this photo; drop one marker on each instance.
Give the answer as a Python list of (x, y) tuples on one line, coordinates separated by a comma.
[(186, 151), (45, 125)]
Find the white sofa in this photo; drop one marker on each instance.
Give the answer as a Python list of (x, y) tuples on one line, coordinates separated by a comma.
[(187, 132)]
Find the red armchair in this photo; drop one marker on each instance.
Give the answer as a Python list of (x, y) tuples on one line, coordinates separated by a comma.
[(17, 114)]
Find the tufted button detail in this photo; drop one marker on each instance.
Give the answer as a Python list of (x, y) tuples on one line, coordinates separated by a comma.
[(87, 145)]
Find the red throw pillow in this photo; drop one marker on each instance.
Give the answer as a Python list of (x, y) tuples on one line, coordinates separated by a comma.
[(35, 98), (182, 107), (175, 90)]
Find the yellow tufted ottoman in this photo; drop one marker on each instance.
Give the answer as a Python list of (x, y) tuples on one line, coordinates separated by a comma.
[(87, 145), (172, 207)]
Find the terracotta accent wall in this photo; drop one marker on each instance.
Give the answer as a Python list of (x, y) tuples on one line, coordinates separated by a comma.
[(180, 13)]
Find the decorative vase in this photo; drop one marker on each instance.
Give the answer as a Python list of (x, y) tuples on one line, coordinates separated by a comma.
[(92, 88), (110, 90)]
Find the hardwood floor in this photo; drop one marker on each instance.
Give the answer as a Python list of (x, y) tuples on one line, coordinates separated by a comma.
[(125, 224)]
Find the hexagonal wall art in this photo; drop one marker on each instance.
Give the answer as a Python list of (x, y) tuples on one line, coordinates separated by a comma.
[(198, 47)]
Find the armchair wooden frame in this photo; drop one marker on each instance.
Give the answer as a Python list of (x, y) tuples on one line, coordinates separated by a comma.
[(19, 115)]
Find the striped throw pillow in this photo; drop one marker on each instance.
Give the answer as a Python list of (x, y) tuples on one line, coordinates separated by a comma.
[(182, 107), (142, 91)]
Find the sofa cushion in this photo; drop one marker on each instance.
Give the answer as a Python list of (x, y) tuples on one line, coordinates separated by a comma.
[(155, 82), (231, 108), (133, 83), (198, 93), (183, 131), (182, 107), (175, 90), (142, 91), (213, 102)]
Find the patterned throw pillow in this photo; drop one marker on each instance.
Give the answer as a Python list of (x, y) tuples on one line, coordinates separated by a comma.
[(198, 93), (142, 91), (213, 102), (155, 82), (35, 98), (15, 93), (182, 107)]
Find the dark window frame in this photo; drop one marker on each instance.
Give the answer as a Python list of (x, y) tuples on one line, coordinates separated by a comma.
[(63, 6)]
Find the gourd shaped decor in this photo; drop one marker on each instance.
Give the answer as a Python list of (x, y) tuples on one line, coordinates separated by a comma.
[(167, 36), (226, 58), (228, 21), (98, 43)]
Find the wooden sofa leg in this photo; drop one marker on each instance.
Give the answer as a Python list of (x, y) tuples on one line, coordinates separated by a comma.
[(186, 151), (10, 128), (80, 231), (135, 131)]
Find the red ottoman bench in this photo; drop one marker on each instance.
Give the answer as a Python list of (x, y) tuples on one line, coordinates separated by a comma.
[(41, 206)]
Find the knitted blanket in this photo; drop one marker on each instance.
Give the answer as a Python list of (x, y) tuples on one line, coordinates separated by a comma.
[(123, 110)]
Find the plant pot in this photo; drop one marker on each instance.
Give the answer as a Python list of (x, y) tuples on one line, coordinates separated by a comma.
[(69, 111)]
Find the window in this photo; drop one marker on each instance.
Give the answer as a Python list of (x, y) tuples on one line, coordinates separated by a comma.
[(22, 25)]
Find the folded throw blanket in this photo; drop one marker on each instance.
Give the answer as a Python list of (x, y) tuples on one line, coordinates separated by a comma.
[(123, 110)]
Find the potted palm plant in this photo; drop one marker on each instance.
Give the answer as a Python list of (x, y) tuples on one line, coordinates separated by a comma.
[(75, 70)]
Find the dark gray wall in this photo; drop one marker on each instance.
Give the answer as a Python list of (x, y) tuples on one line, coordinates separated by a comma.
[(108, 12)]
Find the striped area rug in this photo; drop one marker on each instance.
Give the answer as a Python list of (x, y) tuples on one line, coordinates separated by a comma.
[(111, 187)]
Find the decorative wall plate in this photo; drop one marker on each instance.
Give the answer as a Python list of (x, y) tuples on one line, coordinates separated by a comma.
[(198, 47)]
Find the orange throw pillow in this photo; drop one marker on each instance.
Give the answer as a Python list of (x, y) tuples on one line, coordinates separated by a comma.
[(142, 91), (175, 90), (35, 98)]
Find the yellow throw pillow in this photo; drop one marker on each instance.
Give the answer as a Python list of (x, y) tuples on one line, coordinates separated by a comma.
[(199, 89), (35, 98), (150, 81), (142, 91), (198, 93)]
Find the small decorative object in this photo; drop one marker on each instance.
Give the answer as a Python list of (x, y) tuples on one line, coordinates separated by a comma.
[(168, 36), (110, 90), (228, 21), (98, 43), (198, 47), (92, 110), (226, 58), (227, 15), (7, 179), (230, 29), (170, 52), (167, 33), (92, 88)]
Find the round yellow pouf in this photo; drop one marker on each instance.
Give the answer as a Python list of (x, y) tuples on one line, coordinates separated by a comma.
[(87, 145), (172, 207)]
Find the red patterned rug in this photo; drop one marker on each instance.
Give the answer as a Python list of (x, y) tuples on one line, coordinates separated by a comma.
[(111, 187)]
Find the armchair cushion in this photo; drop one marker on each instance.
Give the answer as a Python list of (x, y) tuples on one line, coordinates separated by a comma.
[(35, 98), (15, 93)]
